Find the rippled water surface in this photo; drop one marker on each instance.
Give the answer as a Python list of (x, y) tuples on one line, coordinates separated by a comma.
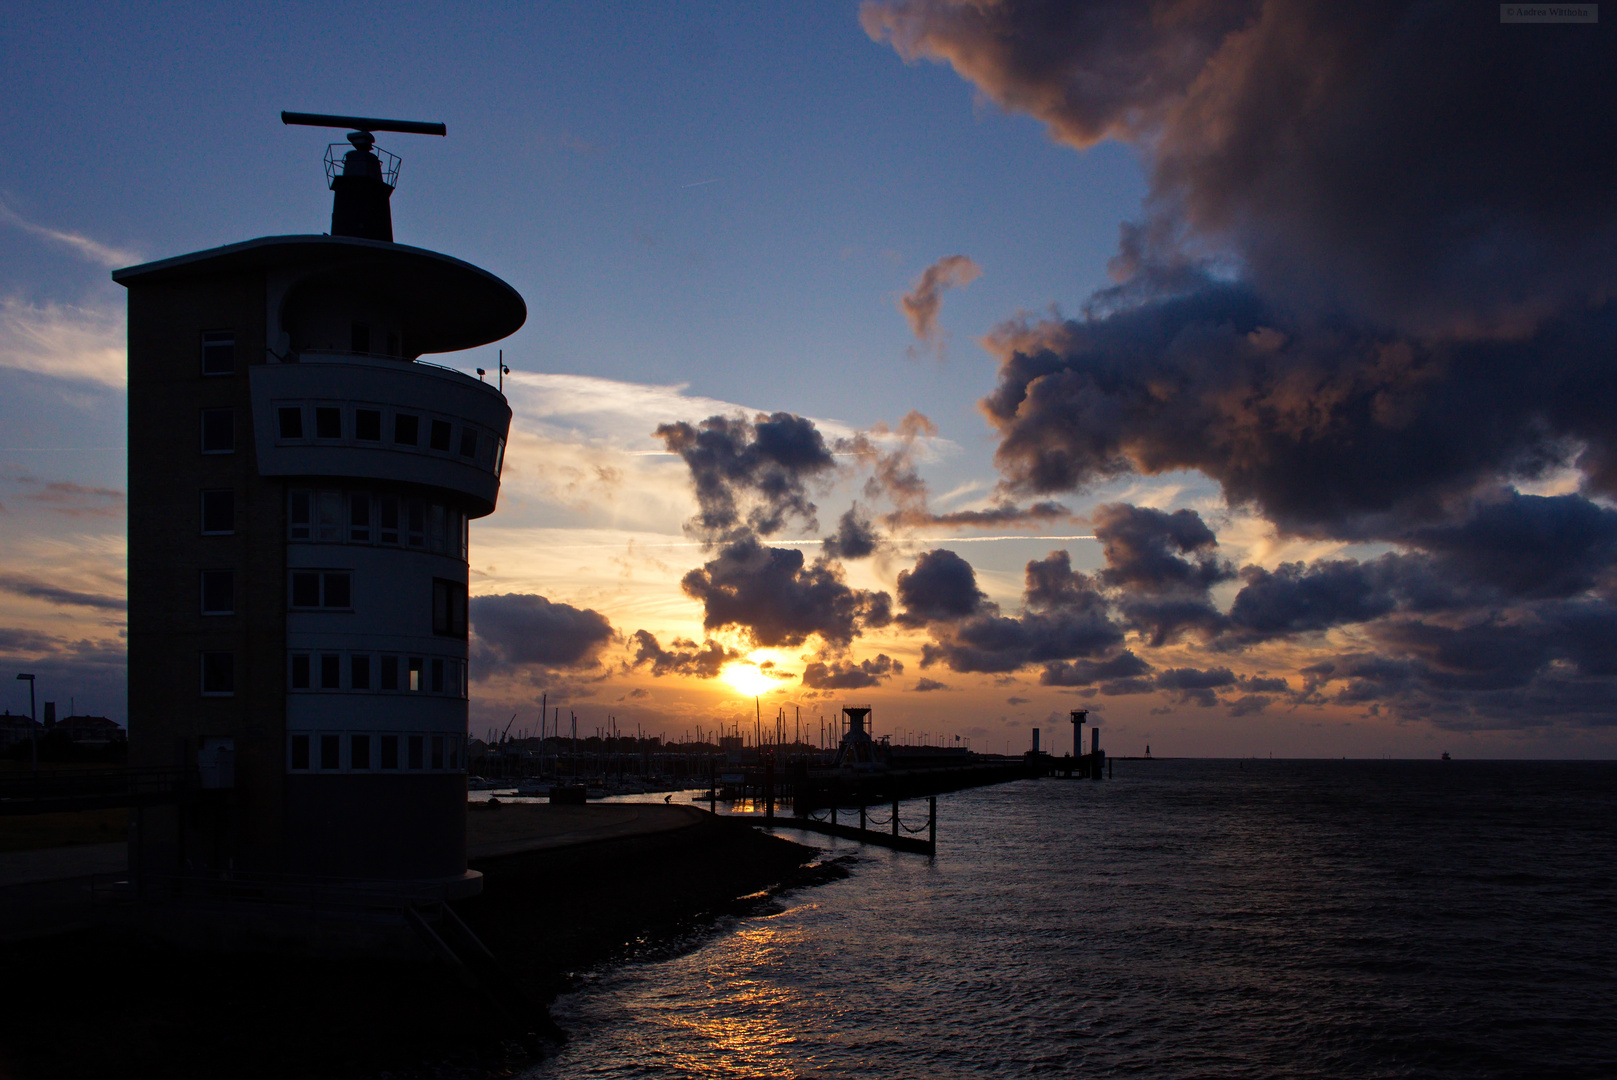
[(1206, 919)]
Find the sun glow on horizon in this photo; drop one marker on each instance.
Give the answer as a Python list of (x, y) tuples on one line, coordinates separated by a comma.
[(754, 676)]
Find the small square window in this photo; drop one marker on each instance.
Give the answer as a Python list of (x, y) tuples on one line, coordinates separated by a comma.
[(437, 676), (300, 671), (359, 751), (218, 431), (390, 673), (415, 674), (406, 429), (437, 751), (290, 419), (218, 512), (219, 352), (368, 425), (305, 590), (300, 751), (330, 752), (468, 442), (338, 588), (389, 751), (218, 673), (359, 673), (218, 592), (330, 671), (299, 513), (448, 608), (327, 423), (440, 435), (359, 338)]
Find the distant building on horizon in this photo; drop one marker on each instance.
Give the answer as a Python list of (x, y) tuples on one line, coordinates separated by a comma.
[(300, 488)]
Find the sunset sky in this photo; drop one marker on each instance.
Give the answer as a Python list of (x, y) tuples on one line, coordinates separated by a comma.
[(1242, 373)]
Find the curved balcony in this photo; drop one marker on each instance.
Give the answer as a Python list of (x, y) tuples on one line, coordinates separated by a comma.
[(361, 417)]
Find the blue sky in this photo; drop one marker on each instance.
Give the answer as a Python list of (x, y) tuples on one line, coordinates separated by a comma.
[(707, 208)]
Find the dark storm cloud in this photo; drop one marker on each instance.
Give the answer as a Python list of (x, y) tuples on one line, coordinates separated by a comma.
[(39, 590), (1000, 515), (1125, 665), (855, 538), (920, 305), (683, 657), (844, 675), (1163, 564), (515, 630), (751, 477), (1065, 618), (1284, 131), (925, 685), (940, 587), (777, 600)]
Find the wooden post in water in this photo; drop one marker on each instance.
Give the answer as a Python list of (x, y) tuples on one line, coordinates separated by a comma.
[(861, 819), (932, 822), (895, 817), (769, 789)]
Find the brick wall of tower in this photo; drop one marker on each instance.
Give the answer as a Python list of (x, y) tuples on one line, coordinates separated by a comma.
[(169, 716)]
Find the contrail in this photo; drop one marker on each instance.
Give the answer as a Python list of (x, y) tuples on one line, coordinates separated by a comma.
[(808, 543), (699, 183)]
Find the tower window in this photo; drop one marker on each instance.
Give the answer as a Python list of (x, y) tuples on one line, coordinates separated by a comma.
[(218, 512), (390, 673), (415, 751), (359, 673), (327, 422), (290, 418), (359, 751), (416, 522), (437, 751), (300, 752), (218, 674), (415, 674), (468, 442), (368, 425), (218, 431), (300, 671), (330, 671), (330, 752), (360, 338), (406, 429), (437, 678), (389, 751), (218, 352), (388, 526), (218, 592), (359, 517), (298, 513), (322, 589), (440, 435), (448, 609)]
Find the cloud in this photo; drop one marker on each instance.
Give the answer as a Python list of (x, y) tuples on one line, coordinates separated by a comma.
[(63, 341), (926, 685), (519, 630), (845, 675), (920, 305), (684, 657), (1125, 665), (1279, 132), (750, 476), (53, 594), (769, 594), (939, 588), (856, 537), (82, 246)]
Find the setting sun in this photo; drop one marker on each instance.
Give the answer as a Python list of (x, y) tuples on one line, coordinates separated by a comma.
[(748, 679)]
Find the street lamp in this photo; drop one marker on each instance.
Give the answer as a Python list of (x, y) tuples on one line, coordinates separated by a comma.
[(33, 743)]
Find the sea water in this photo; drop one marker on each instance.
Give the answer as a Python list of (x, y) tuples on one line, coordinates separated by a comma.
[(1183, 919)]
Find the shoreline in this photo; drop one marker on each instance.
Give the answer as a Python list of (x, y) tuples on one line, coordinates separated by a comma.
[(101, 1002)]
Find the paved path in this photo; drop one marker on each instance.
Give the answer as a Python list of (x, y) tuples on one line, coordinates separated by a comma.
[(58, 863), (513, 829)]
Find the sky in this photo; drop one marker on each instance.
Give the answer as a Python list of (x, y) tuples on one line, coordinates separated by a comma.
[(1238, 372)]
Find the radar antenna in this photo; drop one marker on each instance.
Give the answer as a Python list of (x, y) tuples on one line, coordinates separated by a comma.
[(362, 179)]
